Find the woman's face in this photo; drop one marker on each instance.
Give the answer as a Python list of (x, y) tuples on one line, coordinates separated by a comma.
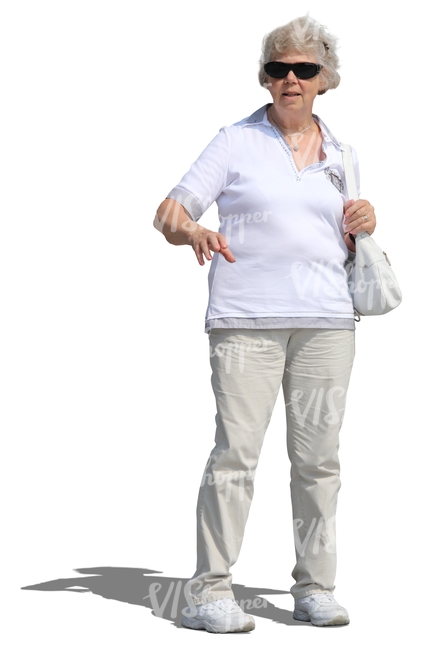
[(290, 92)]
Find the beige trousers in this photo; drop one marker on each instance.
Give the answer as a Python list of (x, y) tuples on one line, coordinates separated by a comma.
[(248, 368)]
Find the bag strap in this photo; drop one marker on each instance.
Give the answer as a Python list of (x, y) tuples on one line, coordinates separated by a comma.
[(349, 171)]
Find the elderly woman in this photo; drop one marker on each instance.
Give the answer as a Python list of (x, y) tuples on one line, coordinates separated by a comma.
[(279, 314)]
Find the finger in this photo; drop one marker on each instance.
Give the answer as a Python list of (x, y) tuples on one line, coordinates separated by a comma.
[(348, 204), (357, 218), (204, 247), (198, 254), (367, 227), (227, 254), (218, 244), (354, 212), (361, 224), (224, 249), (222, 240), (356, 206), (201, 248), (213, 242)]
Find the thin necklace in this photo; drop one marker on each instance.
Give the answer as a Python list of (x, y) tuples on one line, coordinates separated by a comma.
[(294, 147)]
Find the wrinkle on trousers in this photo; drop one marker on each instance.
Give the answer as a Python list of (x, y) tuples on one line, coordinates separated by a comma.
[(248, 368)]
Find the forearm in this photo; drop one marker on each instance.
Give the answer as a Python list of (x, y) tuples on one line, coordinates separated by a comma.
[(178, 228), (174, 222)]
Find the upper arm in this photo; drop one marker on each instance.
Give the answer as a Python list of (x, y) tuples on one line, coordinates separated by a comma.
[(206, 178)]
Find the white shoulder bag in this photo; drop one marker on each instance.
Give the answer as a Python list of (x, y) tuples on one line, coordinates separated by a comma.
[(372, 282)]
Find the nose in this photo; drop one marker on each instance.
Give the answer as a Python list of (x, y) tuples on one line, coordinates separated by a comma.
[(291, 77)]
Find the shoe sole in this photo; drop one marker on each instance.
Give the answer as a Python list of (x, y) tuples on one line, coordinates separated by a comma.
[(340, 619), (205, 625)]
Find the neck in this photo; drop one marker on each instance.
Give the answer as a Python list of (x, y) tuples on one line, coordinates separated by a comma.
[(292, 121)]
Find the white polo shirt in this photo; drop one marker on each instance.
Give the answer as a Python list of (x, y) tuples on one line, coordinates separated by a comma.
[(284, 227)]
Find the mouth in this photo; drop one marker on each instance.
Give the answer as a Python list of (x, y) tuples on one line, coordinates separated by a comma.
[(291, 94)]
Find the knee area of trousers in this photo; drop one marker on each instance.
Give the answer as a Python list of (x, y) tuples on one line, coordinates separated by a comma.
[(228, 476)]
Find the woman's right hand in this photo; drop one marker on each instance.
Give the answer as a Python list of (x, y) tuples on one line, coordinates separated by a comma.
[(205, 241), (179, 229)]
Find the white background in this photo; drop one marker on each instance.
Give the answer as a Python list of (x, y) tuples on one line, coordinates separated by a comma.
[(107, 410)]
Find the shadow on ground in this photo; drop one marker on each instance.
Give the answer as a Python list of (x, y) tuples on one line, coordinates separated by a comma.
[(163, 595)]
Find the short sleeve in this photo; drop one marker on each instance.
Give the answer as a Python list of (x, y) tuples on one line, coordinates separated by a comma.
[(206, 179)]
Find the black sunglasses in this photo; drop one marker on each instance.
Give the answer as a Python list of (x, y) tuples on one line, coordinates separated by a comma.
[(279, 70)]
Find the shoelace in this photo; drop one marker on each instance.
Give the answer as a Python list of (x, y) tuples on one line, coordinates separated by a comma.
[(323, 597), (227, 604)]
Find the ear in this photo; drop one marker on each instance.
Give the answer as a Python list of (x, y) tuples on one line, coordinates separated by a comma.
[(322, 81)]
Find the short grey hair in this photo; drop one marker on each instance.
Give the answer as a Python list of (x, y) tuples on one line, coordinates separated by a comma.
[(308, 37)]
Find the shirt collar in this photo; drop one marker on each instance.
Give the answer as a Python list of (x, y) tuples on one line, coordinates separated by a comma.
[(260, 117)]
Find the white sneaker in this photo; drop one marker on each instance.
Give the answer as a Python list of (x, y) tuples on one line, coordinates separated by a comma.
[(223, 615), (320, 609)]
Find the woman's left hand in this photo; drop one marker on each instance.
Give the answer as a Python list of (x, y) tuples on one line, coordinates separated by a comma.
[(354, 217)]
